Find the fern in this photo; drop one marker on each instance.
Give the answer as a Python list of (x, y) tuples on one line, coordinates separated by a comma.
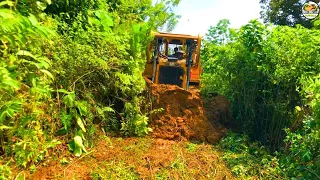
[(66, 120), (16, 30), (8, 109)]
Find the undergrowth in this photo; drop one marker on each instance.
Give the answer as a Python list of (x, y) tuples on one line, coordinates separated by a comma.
[(69, 69), (113, 170), (248, 159), (271, 76)]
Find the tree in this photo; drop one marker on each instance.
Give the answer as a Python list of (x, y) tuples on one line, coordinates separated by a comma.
[(158, 15), (286, 12), (221, 33)]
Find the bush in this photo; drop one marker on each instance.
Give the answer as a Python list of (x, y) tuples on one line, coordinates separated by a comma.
[(71, 69), (248, 159), (270, 74), (259, 69), (25, 79), (301, 158)]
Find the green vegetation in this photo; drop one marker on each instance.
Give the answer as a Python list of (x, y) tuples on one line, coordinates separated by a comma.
[(192, 147), (114, 171), (271, 76), (70, 70), (284, 12), (247, 159)]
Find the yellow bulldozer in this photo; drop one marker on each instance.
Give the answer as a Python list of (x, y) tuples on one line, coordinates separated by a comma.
[(174, 59)]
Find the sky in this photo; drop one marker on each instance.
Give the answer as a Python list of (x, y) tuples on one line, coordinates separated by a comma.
[(199, 15)]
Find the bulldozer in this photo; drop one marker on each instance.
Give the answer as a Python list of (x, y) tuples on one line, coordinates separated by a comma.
[(174, 59)]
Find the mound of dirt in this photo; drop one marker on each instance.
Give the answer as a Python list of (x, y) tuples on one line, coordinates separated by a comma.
[(184, 115), (218, 108)]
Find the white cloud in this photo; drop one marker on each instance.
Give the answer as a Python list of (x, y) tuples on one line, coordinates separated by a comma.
[(199, 15)]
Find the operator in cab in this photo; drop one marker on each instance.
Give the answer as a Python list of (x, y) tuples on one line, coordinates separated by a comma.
[(177, 54)]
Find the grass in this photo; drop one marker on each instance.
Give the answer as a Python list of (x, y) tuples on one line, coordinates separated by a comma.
[(139, 158), (178, 168), (114, 170), (191, 147), (5, 172)]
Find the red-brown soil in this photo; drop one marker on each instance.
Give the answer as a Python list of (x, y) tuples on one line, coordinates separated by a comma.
[(184, 116), (165, 154), (146, 158)]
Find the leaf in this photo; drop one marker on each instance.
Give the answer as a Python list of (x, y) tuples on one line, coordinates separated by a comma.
[(81, 125), (93, 21), (10, 39), (65, 119), (3, 127), (136, 28), (81, 107), (47, 73), (80, 133), (77, 151), (61, 132), (69, 99), (105, 19), (71, 145), (44, 62), (33, 20), (41, 5), (150, 129), (98, 14), (10, 108), (78, 146), (108, 109), (9, 3), (64, 91), (25, 53), (307, 156), (317, 23), (19, 38), (12, 83)]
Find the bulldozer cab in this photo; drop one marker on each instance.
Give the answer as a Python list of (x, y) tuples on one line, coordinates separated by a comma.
[(174, 59)]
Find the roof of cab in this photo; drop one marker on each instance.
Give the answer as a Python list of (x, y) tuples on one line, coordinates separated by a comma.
[(171, 35)]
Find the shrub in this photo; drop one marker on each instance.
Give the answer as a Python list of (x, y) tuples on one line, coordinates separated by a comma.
[(259, 71), (248, 159)]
